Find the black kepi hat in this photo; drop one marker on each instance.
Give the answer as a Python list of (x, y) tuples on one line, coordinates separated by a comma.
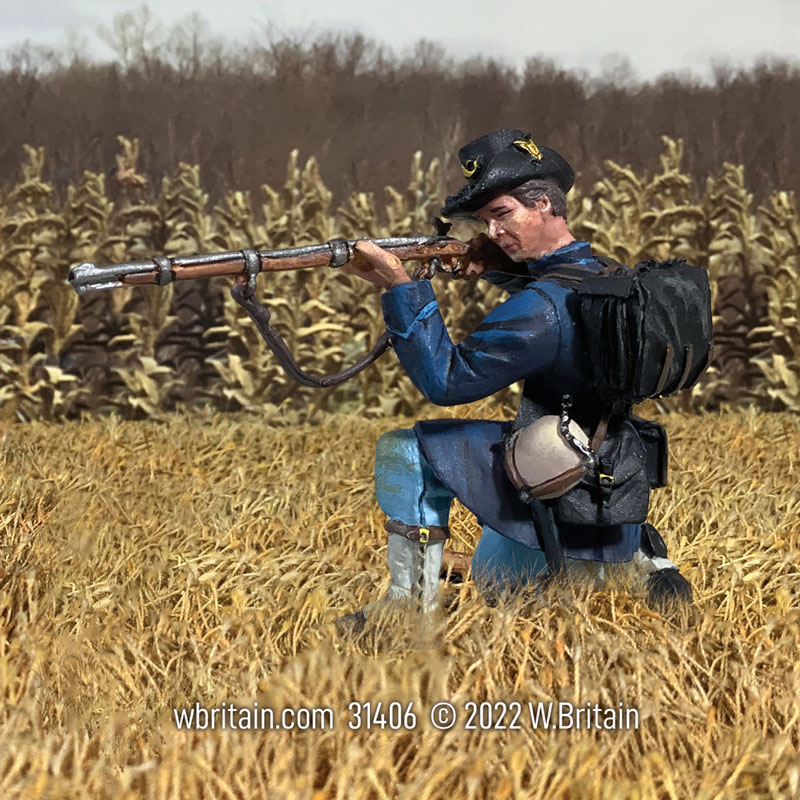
[(499, 161)]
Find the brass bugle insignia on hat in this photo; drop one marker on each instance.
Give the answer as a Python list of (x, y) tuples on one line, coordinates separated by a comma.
[(469, 167), (529, 147)]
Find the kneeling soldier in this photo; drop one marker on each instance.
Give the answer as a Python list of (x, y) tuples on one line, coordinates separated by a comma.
[(517, 189)]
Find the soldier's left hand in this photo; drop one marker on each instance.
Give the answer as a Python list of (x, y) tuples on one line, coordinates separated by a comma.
[(376, 265)]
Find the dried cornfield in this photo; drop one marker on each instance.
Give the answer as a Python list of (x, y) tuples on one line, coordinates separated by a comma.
[(147, 351), (203, 560)]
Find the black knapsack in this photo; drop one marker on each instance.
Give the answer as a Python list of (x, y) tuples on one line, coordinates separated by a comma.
[(647, 330)]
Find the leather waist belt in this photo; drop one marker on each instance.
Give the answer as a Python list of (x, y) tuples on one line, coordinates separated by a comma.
[(419, 533)]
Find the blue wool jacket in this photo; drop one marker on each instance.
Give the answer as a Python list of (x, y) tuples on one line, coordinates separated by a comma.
[(532, 336)]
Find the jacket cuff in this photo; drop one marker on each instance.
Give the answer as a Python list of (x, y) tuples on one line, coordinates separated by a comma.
[(406, 304)]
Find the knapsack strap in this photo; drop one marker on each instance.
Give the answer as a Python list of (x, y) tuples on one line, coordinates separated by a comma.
[(611, 265), (600, 432), (573, 274), (568, 272)]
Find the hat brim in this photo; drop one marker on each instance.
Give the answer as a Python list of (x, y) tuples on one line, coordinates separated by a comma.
[(506, 173), (473, 198)]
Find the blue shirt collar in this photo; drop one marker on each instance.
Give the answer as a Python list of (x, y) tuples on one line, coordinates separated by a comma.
[(572, 253)]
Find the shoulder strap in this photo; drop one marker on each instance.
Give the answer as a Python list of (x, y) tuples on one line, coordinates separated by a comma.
[(570, 271), (611, 265), (571, 275)]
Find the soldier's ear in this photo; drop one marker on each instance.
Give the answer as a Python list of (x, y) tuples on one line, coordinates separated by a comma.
[(544, 204)]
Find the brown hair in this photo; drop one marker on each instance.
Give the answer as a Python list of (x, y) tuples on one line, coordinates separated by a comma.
[(530, 191)]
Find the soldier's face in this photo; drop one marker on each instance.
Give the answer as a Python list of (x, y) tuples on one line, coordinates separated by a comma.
[(520, 232)]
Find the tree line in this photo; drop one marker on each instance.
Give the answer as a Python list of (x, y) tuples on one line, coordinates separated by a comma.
[(238, 111)]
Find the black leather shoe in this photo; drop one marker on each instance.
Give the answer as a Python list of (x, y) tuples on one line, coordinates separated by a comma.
[(351, 625), (652, 544), (668, 586)]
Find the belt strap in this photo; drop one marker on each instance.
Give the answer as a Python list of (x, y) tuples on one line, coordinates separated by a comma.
[(419, 533)]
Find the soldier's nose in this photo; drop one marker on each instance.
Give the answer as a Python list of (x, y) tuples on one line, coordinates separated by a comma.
[(495, 228)]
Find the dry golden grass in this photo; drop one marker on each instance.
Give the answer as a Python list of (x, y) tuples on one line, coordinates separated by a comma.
[(146, 566)]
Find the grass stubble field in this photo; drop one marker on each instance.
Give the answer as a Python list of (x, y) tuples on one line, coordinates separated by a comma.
[(204, 559)]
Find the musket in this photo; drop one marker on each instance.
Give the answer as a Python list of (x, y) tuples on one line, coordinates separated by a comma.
[(437, 253), (161, 270)]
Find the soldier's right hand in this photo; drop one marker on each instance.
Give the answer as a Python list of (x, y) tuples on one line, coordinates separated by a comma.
[(482, 255)]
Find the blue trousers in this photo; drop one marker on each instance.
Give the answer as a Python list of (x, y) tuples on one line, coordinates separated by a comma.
[(408, 490)]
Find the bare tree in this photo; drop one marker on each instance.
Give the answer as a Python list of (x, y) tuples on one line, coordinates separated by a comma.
[(133, 36), (192, 45)]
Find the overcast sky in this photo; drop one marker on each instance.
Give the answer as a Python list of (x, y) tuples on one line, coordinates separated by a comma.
[(656, 37)]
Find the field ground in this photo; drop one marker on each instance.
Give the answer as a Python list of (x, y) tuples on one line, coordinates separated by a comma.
[(150, 566)]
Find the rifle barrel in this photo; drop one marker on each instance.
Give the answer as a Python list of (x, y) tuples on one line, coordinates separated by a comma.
[(89, 277)]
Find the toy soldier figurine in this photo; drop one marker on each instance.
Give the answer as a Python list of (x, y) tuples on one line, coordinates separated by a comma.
[(517, 189)]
